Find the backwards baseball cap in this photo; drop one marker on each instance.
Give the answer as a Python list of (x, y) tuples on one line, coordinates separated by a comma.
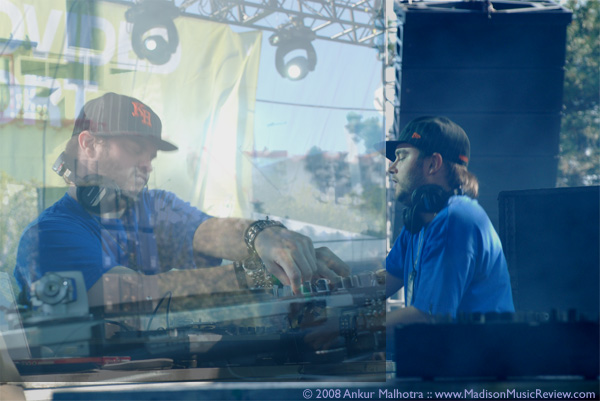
[(434, 135), (118, 115)]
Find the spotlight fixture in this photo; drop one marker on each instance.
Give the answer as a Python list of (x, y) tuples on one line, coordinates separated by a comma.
[(154, 36), (293, 42)]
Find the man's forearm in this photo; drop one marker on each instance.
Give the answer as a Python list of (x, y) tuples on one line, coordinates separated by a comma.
[(222, 238), (288, 255), (181, 283)]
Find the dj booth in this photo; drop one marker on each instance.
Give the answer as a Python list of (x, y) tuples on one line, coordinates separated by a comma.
[(328, 342), (170, 320), (174, 336)]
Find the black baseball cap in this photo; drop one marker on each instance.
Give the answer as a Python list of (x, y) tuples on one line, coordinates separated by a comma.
[(434, 135), (118, 115)]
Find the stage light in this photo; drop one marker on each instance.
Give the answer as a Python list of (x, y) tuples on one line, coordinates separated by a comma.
[(297, 68), (295, 56), (151, 43), (154, 35)]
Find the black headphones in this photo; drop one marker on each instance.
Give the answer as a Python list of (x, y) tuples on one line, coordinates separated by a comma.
[(428, 198), (96, 193)]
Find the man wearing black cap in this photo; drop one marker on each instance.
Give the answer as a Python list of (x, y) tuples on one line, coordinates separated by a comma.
[(448, 256), (109, 218)]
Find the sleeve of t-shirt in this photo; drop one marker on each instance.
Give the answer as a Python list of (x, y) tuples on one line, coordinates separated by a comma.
[(57, 245), (446, 266), (176, 222), (394, 265)]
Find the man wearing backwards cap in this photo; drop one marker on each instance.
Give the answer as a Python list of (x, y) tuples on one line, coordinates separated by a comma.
[(108, 217), (448, 256)]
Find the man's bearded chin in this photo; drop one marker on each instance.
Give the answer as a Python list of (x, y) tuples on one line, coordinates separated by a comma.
[(405, 197), (134, 188), (132, 195)]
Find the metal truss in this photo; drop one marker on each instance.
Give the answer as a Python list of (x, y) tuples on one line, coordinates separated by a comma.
[(356, 22)]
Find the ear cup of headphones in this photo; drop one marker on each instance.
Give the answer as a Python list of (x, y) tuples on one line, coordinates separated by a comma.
[(428, 198), (413, 226), (94, 191)]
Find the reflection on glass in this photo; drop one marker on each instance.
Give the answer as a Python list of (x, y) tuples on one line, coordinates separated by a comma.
[(150, 289)]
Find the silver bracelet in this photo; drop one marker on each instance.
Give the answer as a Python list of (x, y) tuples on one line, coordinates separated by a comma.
[(255, 228), (255, 269)]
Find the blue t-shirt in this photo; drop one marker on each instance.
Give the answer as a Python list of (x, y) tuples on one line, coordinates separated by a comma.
[(155, 234), (460, 267)]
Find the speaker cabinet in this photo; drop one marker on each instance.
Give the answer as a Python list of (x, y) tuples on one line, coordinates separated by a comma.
[(551, 239), (498, 73), (498, 350)]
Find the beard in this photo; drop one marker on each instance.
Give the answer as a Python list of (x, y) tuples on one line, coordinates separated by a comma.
[(413, 179), (128, 187), (129, 181), (134, 187), (119, 172)]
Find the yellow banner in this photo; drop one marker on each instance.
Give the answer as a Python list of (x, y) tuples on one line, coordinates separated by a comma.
[(55, 59)]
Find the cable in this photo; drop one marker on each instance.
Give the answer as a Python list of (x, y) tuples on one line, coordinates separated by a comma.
[(116, 323), (170, 295), (315, 106)]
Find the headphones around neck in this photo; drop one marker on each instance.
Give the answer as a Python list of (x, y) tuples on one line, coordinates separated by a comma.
[(96, 193), (428, 198)]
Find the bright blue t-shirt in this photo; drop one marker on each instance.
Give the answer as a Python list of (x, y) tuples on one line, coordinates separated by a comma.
[(460, 267), (155, 234)]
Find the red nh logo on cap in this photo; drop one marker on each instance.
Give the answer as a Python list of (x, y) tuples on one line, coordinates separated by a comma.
[(139, 110)]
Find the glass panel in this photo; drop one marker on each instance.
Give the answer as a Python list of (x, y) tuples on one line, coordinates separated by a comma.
[(115, 261)]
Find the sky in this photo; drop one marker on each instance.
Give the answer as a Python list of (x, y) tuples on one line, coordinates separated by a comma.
[(346, 77)]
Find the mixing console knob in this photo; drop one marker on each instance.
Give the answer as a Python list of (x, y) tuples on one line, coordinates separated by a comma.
[(363, 279), (285, 291), (306, 288), (322, 285), (337, 282)]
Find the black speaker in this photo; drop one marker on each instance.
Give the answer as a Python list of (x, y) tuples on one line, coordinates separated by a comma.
[(551, 239), (497, 72), (498, 350)]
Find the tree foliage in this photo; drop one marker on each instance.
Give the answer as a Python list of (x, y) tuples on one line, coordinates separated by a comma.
[(18, 208), (329, 172), (579, 162), (368, 130)]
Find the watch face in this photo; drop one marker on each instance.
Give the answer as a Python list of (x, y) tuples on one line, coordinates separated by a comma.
[(253, 263)]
